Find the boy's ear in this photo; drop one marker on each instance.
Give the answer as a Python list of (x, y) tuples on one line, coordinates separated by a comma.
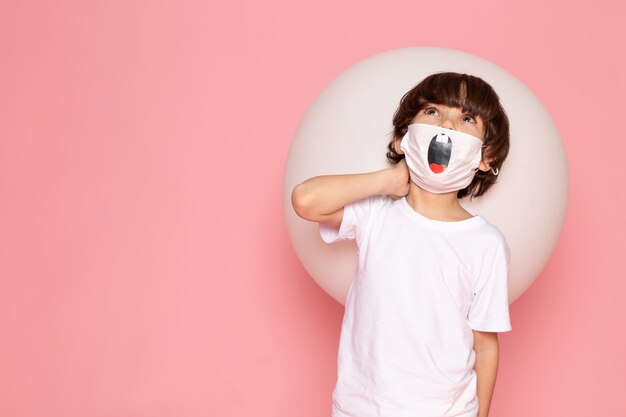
[(396, 146), (484, 166), (485, 163)]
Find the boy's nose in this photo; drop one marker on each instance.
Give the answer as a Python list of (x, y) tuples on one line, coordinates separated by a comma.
[(447, 123)]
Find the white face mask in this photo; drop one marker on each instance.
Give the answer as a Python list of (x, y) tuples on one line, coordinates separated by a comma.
[(440, 160)]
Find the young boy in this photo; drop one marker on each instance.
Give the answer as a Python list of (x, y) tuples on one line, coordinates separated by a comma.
[(419, 334)]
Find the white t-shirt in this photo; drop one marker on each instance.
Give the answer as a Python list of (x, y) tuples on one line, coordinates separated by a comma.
[(406, 346)]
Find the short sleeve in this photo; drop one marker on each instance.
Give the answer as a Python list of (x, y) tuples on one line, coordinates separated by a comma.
[(356, 217), (489, 311)]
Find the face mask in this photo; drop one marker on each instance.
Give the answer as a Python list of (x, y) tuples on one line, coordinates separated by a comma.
[(440, 160)]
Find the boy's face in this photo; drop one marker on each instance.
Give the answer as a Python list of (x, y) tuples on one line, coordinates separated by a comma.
[(451, 118)]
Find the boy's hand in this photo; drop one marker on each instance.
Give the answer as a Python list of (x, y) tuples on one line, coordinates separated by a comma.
[(399, 180)]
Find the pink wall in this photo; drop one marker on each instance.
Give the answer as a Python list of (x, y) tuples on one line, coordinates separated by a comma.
[(145, 268)]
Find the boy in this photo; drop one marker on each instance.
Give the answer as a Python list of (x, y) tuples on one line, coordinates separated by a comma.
[(419, 334)]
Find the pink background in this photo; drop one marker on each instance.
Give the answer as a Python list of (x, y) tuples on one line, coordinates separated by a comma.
[(144, 261)]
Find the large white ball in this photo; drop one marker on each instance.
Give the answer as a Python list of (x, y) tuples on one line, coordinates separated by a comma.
[(347, 129)]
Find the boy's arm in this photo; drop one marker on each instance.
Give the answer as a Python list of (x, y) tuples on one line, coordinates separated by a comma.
[(322, 199), (486, 367)]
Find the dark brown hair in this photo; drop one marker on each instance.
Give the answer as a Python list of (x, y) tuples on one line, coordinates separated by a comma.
[(475, 97)]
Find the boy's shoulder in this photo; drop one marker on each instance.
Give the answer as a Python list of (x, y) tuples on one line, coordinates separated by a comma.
[(371, 204), (490, 229), (491, 237)]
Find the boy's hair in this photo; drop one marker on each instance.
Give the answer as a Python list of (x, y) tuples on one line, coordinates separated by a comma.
[(475, 97)]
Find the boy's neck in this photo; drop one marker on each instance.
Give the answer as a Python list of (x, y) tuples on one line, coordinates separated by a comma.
[(442, 207)]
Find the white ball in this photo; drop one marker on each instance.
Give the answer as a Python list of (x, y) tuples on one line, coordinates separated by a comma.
[(347, 130)]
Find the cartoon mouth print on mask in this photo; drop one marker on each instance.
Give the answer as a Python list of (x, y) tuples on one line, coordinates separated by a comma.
[(432, 164), (439, 152)]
